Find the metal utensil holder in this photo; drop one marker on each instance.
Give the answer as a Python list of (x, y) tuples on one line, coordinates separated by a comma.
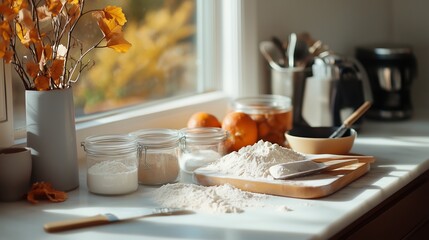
[(290, 82)]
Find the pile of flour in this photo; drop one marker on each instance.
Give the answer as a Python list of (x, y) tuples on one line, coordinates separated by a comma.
[(254, 161), (250, 162), (215, 199)]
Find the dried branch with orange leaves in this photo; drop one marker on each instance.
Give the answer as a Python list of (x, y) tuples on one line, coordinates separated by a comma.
[(45, 28)]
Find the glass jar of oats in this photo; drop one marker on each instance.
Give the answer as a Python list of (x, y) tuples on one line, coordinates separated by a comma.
[(158, 156)]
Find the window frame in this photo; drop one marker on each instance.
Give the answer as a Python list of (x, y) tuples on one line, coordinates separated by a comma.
[(6, 118)]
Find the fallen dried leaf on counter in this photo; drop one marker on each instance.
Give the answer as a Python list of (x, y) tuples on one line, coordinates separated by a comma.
[(45, 191)]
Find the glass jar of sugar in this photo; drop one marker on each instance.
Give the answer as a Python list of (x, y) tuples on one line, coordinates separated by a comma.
[(200, 147), (272, 114), (112, 164), (158, 156)]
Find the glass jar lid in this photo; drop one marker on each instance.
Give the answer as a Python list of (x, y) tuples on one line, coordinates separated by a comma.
[(157, 138), (112, 144), (204, 135), (262, 104)]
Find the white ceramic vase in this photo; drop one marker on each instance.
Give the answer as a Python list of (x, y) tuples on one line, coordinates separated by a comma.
[(51, 136)]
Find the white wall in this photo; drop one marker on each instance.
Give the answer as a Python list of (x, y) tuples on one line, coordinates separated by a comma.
[(411, 24), (343, 25)]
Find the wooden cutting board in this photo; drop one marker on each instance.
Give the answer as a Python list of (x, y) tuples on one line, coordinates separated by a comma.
[(315, 186)]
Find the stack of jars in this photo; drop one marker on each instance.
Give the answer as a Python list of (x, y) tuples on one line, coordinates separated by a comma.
[(116, 164)]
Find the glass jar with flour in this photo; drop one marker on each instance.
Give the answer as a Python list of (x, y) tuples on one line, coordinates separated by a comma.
[(111, 164), (200, 147), (158, 156)]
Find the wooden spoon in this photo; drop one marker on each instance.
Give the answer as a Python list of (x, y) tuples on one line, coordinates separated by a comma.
[(351, 119)]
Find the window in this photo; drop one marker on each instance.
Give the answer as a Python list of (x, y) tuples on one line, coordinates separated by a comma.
[(166, 61), (161, 63), (225, 66)]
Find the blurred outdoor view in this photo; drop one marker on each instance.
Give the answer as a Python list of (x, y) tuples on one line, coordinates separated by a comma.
[(161, 64)]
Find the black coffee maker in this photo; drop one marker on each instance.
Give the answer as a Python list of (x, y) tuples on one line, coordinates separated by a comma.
[(391, 69)]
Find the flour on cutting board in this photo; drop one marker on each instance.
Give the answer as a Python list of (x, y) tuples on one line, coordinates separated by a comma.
[(254, 161), (251, 162)]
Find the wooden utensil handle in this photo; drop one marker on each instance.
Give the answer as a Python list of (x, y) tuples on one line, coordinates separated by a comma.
[(334, 164), (361, 158), (76, 223), (357, 114)]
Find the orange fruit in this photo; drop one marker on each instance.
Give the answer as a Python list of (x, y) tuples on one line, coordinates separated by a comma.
[(263, 129), (203, 119), (242, 129)]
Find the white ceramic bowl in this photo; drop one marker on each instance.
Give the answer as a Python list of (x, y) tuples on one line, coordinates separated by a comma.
[(315, 140)]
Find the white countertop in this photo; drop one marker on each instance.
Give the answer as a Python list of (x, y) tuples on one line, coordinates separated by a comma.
[(402, 153)]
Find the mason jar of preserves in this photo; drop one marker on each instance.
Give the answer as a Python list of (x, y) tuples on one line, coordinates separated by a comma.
[(272, 113)]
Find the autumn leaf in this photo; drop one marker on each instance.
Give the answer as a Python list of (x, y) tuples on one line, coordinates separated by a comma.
[(25, 19), (34, 37), (117, 42), (32, 69), (44, 53), (47, 52), (106, 25), (54, 6), (22, 34), (110, 21), (75, 2), (2, 49), (113, 12), (98, 15), (5, 31), (7, 12), (8, 56), (26, 35), (19, 4), (41, 83), (43, 13), (56, 69), (39, 53), (74, 13)]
